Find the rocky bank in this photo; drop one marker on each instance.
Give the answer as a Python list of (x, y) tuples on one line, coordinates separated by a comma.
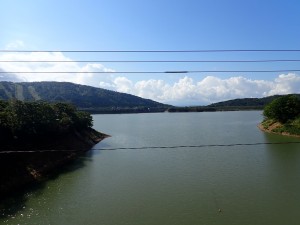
[(25, 162)]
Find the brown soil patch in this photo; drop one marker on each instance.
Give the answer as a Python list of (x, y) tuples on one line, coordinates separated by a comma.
[(274, 126)]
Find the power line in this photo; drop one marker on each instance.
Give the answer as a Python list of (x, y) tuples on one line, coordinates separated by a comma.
[(151, 72), (197, 146), (154, 147), (151, 51), (150, 61)]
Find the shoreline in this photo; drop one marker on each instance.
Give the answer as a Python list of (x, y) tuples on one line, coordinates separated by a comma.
[(22, 170), (270, 131)]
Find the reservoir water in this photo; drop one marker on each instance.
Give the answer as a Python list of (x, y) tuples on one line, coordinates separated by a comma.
[(249, 183)]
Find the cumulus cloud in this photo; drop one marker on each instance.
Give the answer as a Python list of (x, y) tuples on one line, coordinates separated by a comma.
[(152, 89), (285, 84), (187, 91), (9, 77), (81, 77)]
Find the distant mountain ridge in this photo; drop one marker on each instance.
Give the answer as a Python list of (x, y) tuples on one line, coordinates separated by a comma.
[(230, 105), (82, 96), (98, 100), (247, 102)]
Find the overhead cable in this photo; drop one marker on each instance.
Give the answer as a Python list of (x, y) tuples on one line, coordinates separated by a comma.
[(153, 147), (150, 61), (152, 51), (152, 72)]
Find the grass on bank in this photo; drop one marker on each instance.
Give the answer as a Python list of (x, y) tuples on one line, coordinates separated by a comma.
[(282, 115), (291, 127)]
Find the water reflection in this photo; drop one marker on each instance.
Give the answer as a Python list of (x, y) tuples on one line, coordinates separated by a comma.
[(15, 207), (285, 156), (283, 166), (255, 184)]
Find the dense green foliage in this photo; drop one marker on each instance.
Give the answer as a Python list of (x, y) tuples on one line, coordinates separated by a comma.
[(283, 109), (292, 127), (33, 119), (248, 102), (82, 96), (282, 115)]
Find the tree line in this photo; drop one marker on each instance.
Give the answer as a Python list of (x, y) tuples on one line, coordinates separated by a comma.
[(283, 109), (286, 111), (33, 119)]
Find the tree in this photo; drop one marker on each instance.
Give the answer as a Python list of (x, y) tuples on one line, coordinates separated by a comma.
[(283, 109), (83, 120), (36, 119)]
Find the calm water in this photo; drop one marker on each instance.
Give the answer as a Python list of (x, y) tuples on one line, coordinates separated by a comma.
[(254, 184)]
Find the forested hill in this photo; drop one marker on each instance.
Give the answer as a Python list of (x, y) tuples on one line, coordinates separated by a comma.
[(248, 102), (82, 96), (231, 105)]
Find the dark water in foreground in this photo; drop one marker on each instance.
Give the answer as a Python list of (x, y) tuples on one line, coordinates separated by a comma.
[(249, 184)]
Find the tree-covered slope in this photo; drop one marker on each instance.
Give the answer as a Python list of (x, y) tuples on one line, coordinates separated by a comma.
[(37, 138), (231, 105), (282, 116), (36, 119), (81, 96), (247, 102)]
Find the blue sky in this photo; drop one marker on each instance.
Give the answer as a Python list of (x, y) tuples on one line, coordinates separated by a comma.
[(157, 25)]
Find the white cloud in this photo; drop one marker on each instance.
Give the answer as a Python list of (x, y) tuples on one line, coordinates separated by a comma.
[(285, 84), (123, 84), (208, 90), (214, 88), (9, 77), (80, 77), (152, 89), (185, 91)]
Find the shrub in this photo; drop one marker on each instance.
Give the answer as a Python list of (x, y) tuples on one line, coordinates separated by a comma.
[(283, 108)]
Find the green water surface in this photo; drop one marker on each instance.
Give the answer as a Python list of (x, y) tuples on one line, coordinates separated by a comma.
[(242, 184)]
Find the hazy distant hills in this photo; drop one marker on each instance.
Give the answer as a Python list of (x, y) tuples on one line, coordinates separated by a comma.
[(99, 100), (247, 102), (82, 96), (230, 105)]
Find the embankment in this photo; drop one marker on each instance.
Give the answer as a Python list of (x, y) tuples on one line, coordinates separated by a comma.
[(274, 127)]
